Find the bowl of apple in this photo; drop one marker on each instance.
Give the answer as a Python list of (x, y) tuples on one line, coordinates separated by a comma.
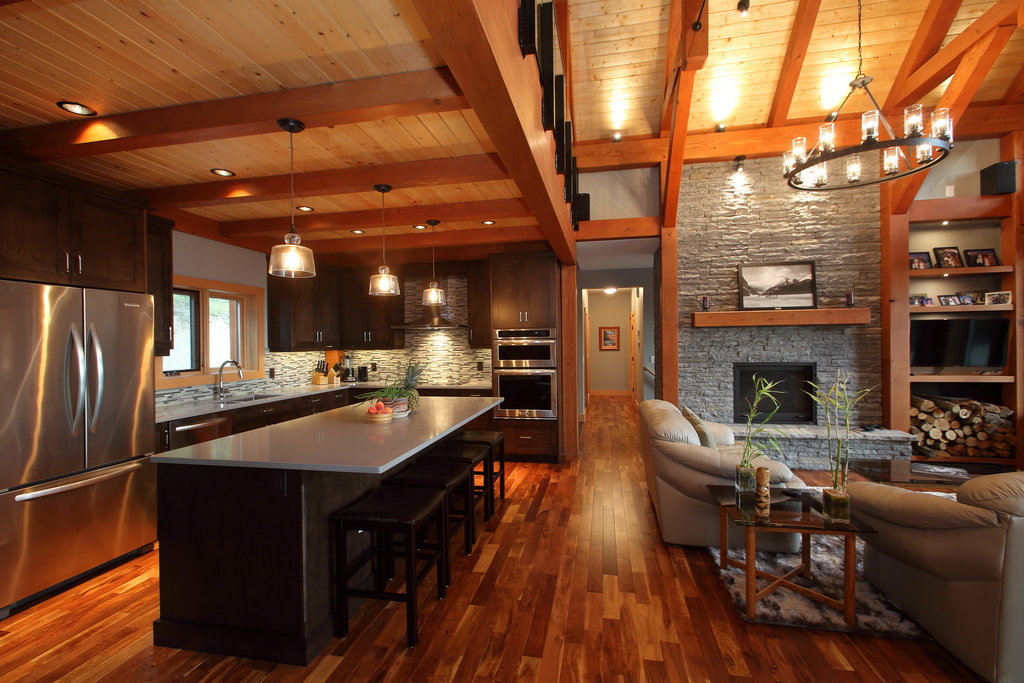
[(379, 413)]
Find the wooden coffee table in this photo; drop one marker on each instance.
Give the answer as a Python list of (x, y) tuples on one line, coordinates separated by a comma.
[(793, 511)]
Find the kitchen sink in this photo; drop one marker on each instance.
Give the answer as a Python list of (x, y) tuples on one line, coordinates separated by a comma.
[(250, 399)]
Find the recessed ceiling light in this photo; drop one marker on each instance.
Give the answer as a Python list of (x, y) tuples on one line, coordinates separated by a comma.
[(419, 227), (720, 128), (945, 222), (76, 108), (222, 172), (617, 137), (610, 290), (305, 208), (488, 222), (358, 232)]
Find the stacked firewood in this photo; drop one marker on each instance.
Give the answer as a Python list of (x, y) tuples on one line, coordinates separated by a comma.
[(959, 427)]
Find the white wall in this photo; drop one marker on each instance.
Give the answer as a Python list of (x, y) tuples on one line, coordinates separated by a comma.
[(609, 370), (961, 170), (203, 258), (631, 193)]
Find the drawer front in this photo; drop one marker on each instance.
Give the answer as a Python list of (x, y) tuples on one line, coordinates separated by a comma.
[(528, 437)]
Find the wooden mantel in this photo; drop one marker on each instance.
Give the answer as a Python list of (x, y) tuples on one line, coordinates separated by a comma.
[(793, 316)]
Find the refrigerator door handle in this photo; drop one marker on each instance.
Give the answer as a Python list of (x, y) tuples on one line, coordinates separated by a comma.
[(97, 357), (76, 347), (115, 472)]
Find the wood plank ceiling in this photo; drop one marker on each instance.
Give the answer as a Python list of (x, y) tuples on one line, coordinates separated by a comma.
[(184, 87)]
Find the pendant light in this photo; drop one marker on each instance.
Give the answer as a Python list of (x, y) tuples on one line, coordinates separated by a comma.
[(291, 259), (383, 283), (433, 295)]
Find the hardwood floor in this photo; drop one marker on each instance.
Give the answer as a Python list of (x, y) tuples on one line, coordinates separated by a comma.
[(569, 582)]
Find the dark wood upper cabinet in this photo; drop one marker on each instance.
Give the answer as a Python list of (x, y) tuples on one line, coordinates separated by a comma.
[(303, 313), (160, 281), (367, 320), (479, 304), (524, 291), (60, 235)]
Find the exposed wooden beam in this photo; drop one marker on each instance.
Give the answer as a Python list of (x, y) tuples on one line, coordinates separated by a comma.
[(569, 363), (445, 240), (970, 73), (415, 257), (210, 229), (932, 30), (565, 48), (607, 156), (695, 52), (796, 50), (368, 99), (944, 63), (959, 208), (687, 51), (668, 316), (674, 50), (477, 39), (430, 172), (394, 217), (618, 229), (673, 169), (1015, 93)]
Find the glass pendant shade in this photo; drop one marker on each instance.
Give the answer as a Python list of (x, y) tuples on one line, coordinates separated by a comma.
[(827, 136), (942, 124), (913, 120), (384, 283), (799, 149), (853, 169), (433, 295), (869, 125), (890, 161), (291, 259)]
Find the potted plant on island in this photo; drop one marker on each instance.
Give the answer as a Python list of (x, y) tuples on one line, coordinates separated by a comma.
[(758, 437), (838, 400), (410, 378)]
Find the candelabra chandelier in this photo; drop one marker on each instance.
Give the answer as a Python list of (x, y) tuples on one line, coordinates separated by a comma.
[(874, 160)]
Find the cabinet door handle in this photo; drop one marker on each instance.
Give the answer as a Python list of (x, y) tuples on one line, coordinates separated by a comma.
[(314, 400), (526, 437), (170, 333), (267, 410), (67, 263), (520, 316), (79, 264), (527, 316), (370, 334)]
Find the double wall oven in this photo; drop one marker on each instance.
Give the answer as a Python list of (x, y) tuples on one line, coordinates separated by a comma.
[(525, 368)]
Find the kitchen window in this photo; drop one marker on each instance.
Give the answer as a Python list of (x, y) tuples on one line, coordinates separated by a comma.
[(213, 322)]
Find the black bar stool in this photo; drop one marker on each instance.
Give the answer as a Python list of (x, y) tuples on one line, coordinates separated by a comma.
[(472, 454), (448, 477), (386, 511), (493, 440)]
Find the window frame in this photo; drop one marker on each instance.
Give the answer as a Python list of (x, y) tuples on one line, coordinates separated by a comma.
[(253, 330)]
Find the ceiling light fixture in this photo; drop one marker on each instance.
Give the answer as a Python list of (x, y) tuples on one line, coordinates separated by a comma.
[(743, 7), (223, 172), (720, 128), (739, 163), (291, 259), (433, 295), (358, 232), (304, 208), (898, 158), (76, 108), (419, 227), (383, 283), (610, 290), (487, 222), (617, 137)]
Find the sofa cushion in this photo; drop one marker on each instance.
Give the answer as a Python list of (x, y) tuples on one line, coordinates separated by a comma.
[(1000, 492), (666, 423), (914, 509), (720, 462), (707, 440)]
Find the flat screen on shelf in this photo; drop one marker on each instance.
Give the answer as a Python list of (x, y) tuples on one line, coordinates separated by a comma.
[(959, 342)]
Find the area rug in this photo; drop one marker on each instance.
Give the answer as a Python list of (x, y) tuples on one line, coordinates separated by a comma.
[(875, 614)]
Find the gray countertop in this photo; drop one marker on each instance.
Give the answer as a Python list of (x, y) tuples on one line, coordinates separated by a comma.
[(339, 440), (187, 409)]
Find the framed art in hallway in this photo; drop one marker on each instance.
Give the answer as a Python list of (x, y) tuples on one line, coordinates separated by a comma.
[(777, 285), (608, 338)]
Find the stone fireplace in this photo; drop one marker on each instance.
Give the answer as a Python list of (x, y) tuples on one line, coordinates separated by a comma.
[(728, 218), (795, 406)]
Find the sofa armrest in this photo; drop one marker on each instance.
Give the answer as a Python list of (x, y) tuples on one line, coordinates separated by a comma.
[(722, 434), (916, 510), (719, 462)]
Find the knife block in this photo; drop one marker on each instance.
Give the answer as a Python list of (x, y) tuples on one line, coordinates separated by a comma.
[(319, 379)]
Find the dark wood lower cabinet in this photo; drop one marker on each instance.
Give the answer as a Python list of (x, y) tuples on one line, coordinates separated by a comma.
[(244, 559), (529, 440)]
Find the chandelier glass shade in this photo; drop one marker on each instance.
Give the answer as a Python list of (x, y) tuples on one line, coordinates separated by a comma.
[(291, 259), (881, 155), (433, 295), (384, 283)]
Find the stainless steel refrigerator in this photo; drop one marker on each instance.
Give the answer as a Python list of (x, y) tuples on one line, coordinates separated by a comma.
[(76, 426)]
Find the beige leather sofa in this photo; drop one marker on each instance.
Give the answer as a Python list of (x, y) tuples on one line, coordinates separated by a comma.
[(955, 567), (679, 470)]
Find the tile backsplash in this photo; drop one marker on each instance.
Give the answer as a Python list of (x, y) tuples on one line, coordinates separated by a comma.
[(446, 354)]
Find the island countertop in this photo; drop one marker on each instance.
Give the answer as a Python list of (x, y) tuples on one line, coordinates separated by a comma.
[(339, 440)]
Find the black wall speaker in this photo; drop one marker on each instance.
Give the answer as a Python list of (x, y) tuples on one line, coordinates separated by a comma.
[(583, 207), (1000, 178)]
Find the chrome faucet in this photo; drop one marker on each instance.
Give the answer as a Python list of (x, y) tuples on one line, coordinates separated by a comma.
[(218, 391)]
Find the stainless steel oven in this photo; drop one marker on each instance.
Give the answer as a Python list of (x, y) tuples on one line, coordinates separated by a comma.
[(529, 394), (531, 348)]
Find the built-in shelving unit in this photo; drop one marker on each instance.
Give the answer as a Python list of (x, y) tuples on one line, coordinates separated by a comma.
[(959, 272), (981, 308), (795, 316), (949, 379)]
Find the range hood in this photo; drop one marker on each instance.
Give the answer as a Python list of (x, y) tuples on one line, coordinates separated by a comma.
[(430, 320)]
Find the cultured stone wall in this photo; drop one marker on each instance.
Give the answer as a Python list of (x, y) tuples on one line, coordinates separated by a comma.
[(727, 218)]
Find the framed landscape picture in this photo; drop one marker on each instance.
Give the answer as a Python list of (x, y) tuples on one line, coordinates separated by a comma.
[(777, 285), (608, 338)]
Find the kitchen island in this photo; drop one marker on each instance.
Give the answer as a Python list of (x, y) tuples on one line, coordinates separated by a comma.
[(243, 524)]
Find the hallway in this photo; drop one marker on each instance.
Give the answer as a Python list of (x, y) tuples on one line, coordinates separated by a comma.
[(569, 582)]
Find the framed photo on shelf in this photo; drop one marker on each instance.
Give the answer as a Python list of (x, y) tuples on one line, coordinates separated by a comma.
[(979, 258), (948, 257), (949, 300), (918, 299), (608, 338), (777, 285), (998, 298), (973, 297), (920, 260)]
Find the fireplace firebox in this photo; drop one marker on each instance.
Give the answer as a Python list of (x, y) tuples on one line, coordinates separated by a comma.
[(795, 406)]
